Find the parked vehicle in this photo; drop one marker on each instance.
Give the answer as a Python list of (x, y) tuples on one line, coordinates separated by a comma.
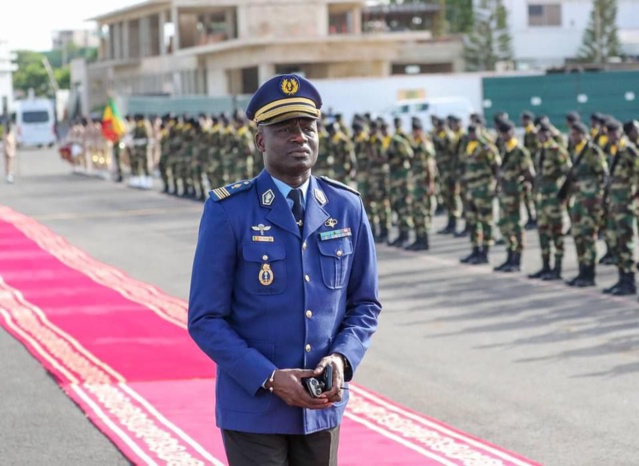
[(425, 108), (35, 122)]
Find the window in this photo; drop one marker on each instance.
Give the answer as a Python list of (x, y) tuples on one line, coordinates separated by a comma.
[(544, 15), (36, 116)]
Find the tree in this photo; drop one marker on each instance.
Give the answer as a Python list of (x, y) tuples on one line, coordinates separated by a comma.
[(600, 40), (490, 41), (459, 16), (31, 74)]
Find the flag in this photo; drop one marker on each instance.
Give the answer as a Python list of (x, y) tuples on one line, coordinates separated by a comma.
[(112, 124)]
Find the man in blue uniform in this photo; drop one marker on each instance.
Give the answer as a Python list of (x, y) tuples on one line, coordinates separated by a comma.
[(284, 284)]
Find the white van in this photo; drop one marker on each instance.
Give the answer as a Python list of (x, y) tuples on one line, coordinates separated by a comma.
[(35, 122), (425, 108)]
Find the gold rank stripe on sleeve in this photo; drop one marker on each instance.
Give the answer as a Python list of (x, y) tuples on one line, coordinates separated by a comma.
[(221, 193)]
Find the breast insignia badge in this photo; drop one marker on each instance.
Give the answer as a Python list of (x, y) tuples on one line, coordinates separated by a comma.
[(261, 238), (331, 222), (268, 197), (320, 196), (266, 275)]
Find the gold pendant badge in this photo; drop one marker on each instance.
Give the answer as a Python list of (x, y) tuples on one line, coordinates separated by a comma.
[(266, 275)]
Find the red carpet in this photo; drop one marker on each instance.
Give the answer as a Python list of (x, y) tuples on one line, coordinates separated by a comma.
[(119, 349)]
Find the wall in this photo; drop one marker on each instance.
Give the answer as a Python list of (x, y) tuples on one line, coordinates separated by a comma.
[(606, 92), (550, 46), (282, 20)]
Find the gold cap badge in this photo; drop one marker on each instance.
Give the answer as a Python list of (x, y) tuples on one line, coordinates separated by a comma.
[(289, 85)]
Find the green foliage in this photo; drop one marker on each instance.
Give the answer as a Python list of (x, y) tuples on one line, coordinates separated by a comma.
[(63, 76), (31, 73), (600, 40), (489, 41), (459, 16), (59, 57)]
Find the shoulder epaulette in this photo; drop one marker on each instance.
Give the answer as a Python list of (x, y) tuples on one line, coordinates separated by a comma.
[(219, 194), (340, 185)]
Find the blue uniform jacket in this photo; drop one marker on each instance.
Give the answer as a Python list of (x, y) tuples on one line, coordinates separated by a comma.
[(263, 296)]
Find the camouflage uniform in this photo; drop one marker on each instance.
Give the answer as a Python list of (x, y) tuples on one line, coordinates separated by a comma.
[(243, 153), (360, 146), (341, 147), (586, 185), (400, 155), (324, 164), (198, 162), (516, 163), (423, 168), (552, 165), (379, 183), (620, 196), (139, 162), (481, 161), (165, 153), (446, 165), (531, 143)]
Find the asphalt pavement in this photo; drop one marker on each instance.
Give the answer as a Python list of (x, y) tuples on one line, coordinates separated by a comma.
[(538, 368)]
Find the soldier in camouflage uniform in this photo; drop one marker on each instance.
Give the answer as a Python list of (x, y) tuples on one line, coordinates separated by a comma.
[(324, 164), (620, 195), (360, 146), (552, 164), (140, 176), (423, 167), (479, 177), (341, 148), (516, 169), (379, 211), (165, 150), (531, 143), (585, 184), (199, 158), (443, 140), (458, 152), (244, 149), (227, 145), (400, 156)]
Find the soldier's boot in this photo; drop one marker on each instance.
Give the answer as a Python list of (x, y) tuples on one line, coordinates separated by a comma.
[(588, 278), (440, 209), (400, 240), (482, 257), (578, 277), (383, 235), (506, 264), (611, 289), (467, 260), (463, 233), (607, 259), (515, 264), (555, 273), (165, 187), (531, 224), (628, 285), (545, 268), (446, 230), (420, 244)]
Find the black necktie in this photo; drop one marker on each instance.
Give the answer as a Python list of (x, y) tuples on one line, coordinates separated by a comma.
[(298, 211)]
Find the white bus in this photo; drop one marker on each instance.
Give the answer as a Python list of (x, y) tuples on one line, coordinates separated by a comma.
[(35, 123)]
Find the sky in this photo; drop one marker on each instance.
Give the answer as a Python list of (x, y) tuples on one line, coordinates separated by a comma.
[(28, 24)]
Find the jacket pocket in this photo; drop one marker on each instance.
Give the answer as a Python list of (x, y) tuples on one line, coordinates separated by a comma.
[(334, 260), (264, 268)]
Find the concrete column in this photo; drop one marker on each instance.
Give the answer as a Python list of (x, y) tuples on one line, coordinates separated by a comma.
[(356, 19), (175, 18), (265, 71), (145, 39), (161, 37), (125, 40), (230, 23), (117, 41), (216, 82)]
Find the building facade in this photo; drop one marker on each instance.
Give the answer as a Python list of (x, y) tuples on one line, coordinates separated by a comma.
[(548, 32), (229, 47), (81, 38), (7, 67)]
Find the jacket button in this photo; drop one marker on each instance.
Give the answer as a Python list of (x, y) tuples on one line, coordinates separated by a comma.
[(309, 313), (308, 348), (339, 253), (307, 278), (304, 246), (264, 257)]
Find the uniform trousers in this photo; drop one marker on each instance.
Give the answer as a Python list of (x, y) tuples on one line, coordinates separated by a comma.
[(247, 449)]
